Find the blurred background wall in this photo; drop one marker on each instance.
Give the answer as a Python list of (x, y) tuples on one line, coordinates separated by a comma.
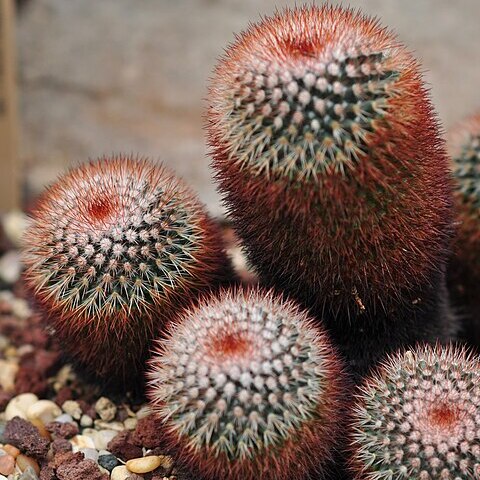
[(97, 77)]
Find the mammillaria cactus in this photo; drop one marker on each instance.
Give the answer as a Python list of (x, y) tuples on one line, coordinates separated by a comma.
[(464, 270), (113, 248), (328, 155), (248, 388), (417, 418)]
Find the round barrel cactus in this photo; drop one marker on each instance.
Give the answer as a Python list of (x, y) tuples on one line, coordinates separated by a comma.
[(114, 248), (248, 388), (417, 417), (464, 268)]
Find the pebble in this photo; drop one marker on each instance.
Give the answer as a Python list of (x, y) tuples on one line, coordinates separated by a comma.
[(89, 453), (117, 426), (72, 408), (24, 462), (106, 409), (28, 474), (11, 450), (64, 418), (7, 464), (18, 406), (20, 308), (144, 464), (44, 410), (10, 267), (130, 423), (86, 421), (109, 461), (8, 371), (103, 438), (120, 473), (14, 224), (83, 441)]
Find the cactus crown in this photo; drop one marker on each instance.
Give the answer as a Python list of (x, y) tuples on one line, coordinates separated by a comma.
[(115, 234), (302, 91), (466, 161), (241, 374), (417, 417)]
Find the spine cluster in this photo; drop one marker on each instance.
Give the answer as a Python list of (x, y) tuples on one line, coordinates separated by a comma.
[(248, 388), (417, 417)]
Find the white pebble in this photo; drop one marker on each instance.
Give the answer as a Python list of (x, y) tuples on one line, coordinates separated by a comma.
[(130, 423), (106, 409), (64, 418), (82, 441), (72, 408), (44, 410), (103, 437), (18, 406), (120, 473)]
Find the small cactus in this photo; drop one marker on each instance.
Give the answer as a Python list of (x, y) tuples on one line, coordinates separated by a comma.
[(113, 246), (248, 388), (464, 269), (417, 417), (328, 155)]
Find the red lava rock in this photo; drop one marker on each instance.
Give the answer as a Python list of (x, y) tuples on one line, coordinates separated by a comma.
[(26, 437), (85, 470), (62, 430), (64, 394), (61, 445), (88, 409), (66, 457), (123, 447), (29, 380), (47, 473), (41, 360), (148, 432)]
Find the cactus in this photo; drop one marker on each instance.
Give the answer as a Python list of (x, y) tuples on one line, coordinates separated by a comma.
[(464, 268), (113, 248), (328, 155), (417, 417), (248, 388)]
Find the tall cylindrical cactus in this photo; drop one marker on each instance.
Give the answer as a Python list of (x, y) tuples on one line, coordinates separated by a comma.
[(328, 155), (464, 269), (249, 388), (417, 418), (114, 248)]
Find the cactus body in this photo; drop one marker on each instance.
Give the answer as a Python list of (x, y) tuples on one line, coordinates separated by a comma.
[(464, 268), (248, 389), (327, 153), (417, 418), (113, 247)]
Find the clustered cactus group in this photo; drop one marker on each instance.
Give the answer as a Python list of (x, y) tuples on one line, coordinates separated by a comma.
[(329, 157)]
